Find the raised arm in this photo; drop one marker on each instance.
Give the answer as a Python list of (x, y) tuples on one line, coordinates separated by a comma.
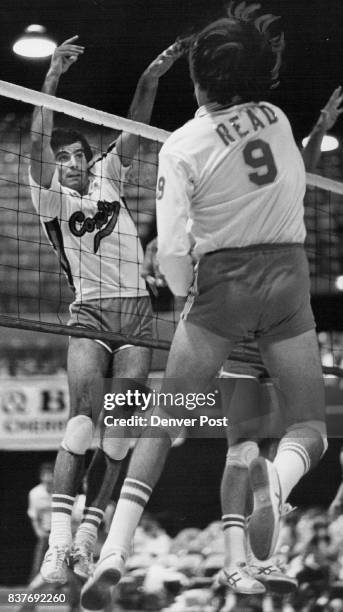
[(42, 157), (144, 98), (326, 120)]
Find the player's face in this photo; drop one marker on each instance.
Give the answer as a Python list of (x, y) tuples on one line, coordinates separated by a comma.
[(72, 167)]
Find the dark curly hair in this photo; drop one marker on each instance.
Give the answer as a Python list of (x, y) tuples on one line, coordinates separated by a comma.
[(232, 58), (62, 136)]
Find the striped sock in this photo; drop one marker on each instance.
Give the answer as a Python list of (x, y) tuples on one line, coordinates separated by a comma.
[(133, 498), (291, 462), (87, 532), (61, 506), (234, 538)]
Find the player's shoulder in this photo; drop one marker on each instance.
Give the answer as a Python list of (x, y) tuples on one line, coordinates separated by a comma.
[(274, 111), (180, 140)]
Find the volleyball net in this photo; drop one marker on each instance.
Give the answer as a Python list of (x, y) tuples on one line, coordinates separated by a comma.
[(35, 285)]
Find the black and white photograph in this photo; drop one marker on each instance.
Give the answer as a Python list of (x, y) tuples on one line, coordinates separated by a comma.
[(171, 305)]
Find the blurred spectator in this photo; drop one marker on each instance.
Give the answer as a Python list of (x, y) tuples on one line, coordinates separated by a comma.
[(39, 512)]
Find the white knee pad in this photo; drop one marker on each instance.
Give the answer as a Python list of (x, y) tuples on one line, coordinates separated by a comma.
[(242, 454), (115, 448), (78, 435)]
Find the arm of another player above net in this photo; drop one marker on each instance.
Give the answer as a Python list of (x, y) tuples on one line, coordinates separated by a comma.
[(42, 157), (173, 198), (326, 120), (144, 98)]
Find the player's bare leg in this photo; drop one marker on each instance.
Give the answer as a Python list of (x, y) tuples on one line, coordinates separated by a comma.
[(88, 364), (295, 367), (195, 357), (237, 394), (253, 411), (130, 364)]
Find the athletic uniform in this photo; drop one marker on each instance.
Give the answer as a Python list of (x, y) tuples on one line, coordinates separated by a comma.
[(238, 175), (98, 247)]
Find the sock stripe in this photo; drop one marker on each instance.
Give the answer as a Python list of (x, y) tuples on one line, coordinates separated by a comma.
[(299, 450), (236, 516), (138, 484), (57, 504), (95, 513), (61, 508), (92, 519), (133, 498), (233, 520), (229, 525), (133, 491), (63, 498), (91, 522)]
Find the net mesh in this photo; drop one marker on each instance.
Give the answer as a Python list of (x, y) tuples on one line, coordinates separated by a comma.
[(34, 292)]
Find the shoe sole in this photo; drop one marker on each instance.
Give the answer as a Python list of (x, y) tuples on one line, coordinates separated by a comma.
[(97, 596), (263, 527), (54, 580), (280, 586)]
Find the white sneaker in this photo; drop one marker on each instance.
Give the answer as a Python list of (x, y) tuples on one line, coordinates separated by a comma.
[(237, 578), (97, 592), (264, 524), (273, 577), (82, 561), (54, 567)]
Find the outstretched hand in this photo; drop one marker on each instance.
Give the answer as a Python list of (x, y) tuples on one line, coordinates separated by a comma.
[(66, 54), (332, 110), (164, 61)]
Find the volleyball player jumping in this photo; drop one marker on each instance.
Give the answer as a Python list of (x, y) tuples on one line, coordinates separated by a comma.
[(84, 215), (237, 173)]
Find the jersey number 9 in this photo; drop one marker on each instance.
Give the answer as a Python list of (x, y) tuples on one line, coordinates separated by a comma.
[(258, 155), (160, 188)]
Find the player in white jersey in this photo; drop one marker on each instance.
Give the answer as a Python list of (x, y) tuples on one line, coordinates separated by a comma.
[(236, 172), (253, 413), (84, 214)]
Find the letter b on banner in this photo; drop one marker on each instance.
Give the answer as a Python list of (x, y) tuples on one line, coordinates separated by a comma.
[(53, 401)]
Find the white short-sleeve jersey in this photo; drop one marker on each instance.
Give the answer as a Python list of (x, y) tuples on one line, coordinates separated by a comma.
[(93, 235), (238, 176)]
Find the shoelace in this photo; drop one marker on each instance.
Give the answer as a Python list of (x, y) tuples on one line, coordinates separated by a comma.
[(234, 578), (82, 551), (57, 556), (267, 570)]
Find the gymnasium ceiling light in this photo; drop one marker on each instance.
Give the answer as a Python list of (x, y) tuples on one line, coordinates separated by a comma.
[(34, 43), (329, 143), (339, 283)]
